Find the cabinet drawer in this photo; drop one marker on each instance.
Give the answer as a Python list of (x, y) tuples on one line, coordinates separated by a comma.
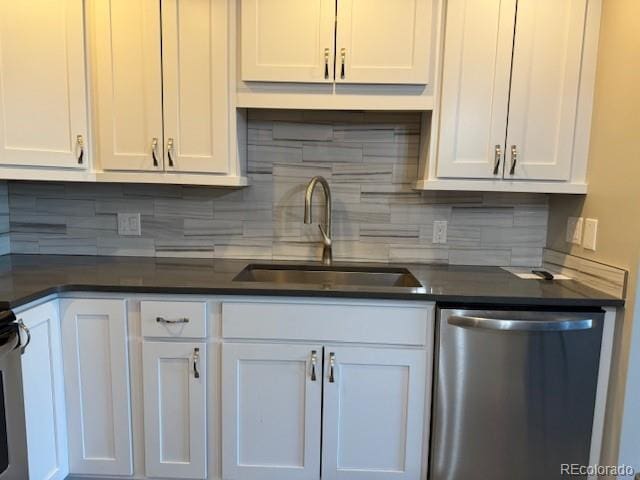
[(171, 319), (328, 322)]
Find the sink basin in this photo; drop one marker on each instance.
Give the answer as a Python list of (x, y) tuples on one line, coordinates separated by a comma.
[(328, 275)]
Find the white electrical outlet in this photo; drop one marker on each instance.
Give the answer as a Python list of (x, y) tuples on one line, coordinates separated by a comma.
[(440, 231), (590, 233), (574, 230), (129, 224)]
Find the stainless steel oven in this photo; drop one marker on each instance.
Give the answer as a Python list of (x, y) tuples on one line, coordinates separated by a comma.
[(13, 441)]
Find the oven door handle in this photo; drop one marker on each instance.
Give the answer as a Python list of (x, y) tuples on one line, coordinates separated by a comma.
[(558, 325)]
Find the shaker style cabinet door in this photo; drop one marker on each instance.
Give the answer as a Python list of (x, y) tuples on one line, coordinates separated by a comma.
[(544, 88), (43, 387), (382, 41), (128, 80), (175, 421), (475, 88), (96, 373), (288, 40), (196, 85), (271, 409), (43, 107), (373, 413)]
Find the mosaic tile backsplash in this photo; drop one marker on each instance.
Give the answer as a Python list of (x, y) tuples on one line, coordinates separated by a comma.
[(370, 160)]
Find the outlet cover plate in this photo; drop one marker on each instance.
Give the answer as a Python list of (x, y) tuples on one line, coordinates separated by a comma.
[(440, 231), (129, 225), (574, 230), (590, 233)]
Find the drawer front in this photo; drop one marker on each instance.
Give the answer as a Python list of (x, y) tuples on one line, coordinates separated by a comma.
[(171, 319), (339, 322)]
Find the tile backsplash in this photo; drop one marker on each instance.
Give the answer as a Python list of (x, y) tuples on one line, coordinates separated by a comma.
[(369, 158)]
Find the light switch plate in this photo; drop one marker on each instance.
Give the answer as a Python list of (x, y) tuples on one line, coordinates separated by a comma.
[(590, 233), (440, 231), (574, 230), (129, 224)]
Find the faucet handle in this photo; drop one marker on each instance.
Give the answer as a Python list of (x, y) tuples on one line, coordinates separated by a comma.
[(326, 239)]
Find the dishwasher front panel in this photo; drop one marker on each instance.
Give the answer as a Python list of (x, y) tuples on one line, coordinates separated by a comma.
[(514, 393)]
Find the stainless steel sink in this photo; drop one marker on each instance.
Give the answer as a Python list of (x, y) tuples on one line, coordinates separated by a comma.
[(328, 275)]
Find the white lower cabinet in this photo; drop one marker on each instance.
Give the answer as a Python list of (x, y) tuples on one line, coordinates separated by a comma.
[(271, 411), (43, 388), (370, 424), (175, 394), (373, 413), (96, 370)]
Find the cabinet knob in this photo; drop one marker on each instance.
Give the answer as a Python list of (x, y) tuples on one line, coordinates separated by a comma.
[(154, 151), (332, 366), (498, 159), (514, 159), (170, 151), (196, 359), (27, 332), (326, 64), (314, 361), (80, 148)]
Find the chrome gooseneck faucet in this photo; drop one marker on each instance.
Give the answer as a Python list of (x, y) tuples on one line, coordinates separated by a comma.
[(327, 256)]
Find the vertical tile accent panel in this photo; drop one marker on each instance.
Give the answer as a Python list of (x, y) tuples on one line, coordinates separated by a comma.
[(369, 158)]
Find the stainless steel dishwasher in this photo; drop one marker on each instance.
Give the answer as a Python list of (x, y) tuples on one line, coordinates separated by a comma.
[(514, 393)]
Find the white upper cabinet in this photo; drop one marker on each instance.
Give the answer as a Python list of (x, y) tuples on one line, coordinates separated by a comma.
[(373, 413), (382, 41), (475, 88), (288, 40), (128, 84), (516, 96), (96, 371), (271, 411), (175, 420), (544, 88), (195, 84), (43, 108), (346, 41)]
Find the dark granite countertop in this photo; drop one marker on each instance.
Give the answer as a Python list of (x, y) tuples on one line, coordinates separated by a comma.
[(24, 278)]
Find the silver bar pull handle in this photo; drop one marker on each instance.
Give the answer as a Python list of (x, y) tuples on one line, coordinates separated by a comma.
[(80, 148), (343, 60), (196, 359), (171, 322), (314, 361), (154, 151), (170, 151), (332, 366), (559, 325), (497, 159), (27, 332), (326, 64), (514, 159)]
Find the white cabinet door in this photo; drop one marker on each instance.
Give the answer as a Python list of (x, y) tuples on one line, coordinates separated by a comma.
[(271, 408), (128, 82), (43, 109), (196, 85), (544, 88), (288, 40), (475, 88), (175, 423), (379, 41), (373, 413), (96, 370), (43, 386)]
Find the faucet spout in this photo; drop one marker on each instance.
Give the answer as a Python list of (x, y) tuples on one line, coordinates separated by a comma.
[(325, 230)]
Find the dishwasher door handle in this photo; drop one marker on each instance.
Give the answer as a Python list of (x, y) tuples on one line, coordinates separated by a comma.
[(559, 325)]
